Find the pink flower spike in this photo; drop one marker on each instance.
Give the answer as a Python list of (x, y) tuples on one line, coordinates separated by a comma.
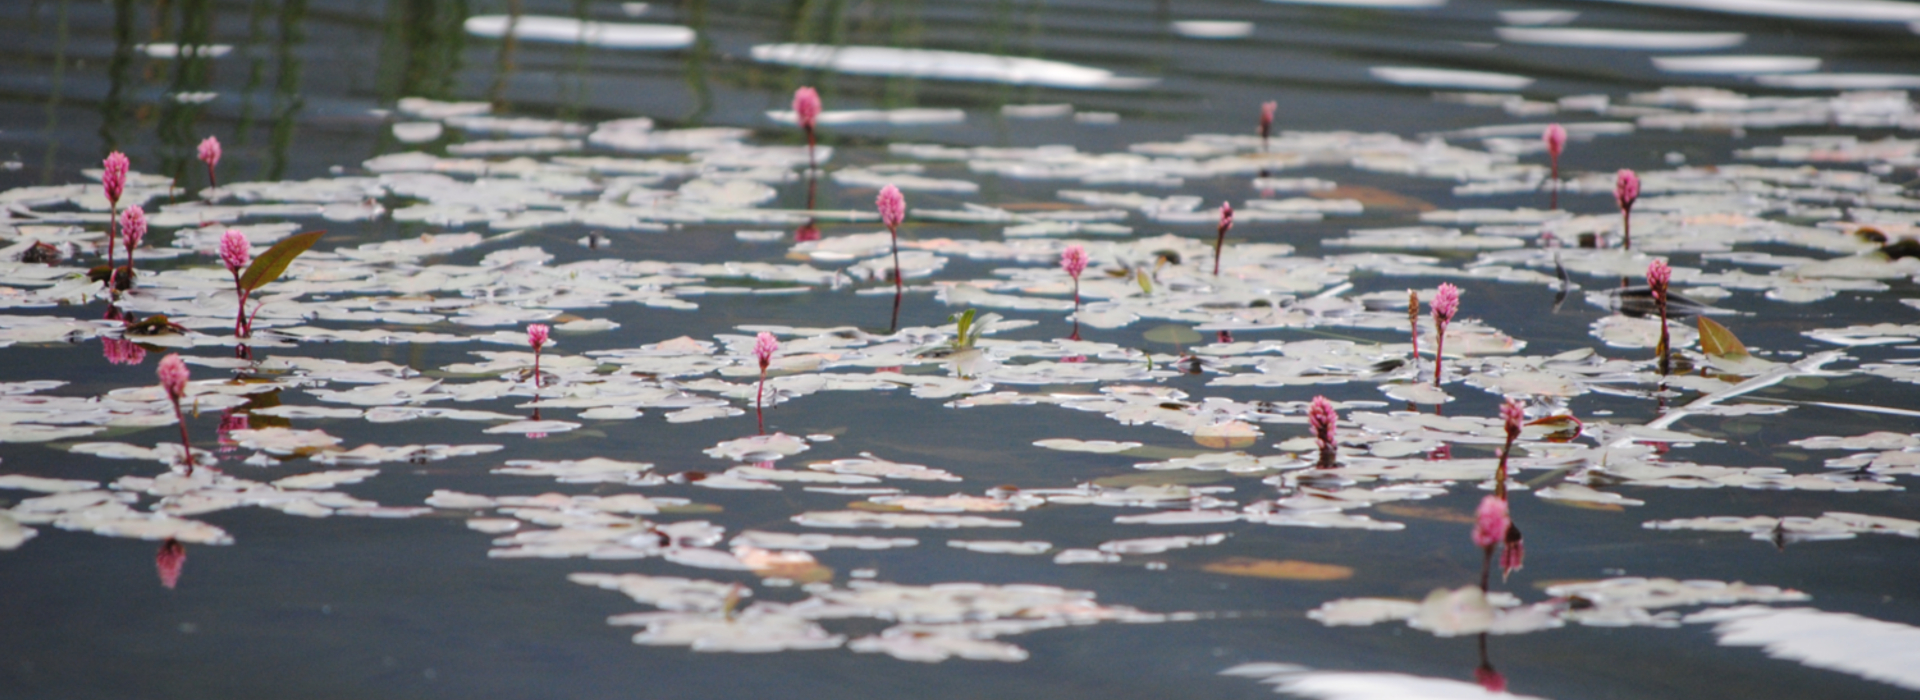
[(1074, 261), (764, 346), (173, 379), (1266, 117), (1514, 417), (133, 227), (1323, 420), (1658, 276), (114, 180), (210, 151), (537, 335), (806, 107), (173, 376), (1626, 189), (1446, 301), (235, 250), (1491, 523), (892, 206), (1556, 140)]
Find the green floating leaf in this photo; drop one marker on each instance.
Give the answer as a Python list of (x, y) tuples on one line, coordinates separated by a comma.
[(963, 330), (271, 264), (1717, 341)]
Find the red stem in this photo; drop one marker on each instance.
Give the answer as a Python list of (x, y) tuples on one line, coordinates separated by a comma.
[(182, 420), (1666, 351), (1554, 202), (1413, 321), (1217, 240), (896, 258), (536, 366), (1439, 346), (1500, 478), (113, 238), (759, 404), (240, 329)]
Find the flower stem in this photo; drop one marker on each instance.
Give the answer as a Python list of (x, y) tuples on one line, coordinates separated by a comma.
[(185, 444)]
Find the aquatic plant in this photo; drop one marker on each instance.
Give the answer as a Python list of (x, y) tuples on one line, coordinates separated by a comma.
[(133, 228), (1512, 417), (169, 560), (1556, 139), (113, 181), (210, 154), (1074, 261), (1413, 327), (893, 210), (236, 251), (1658, 277), (248, 277), (173, 379), (1226, 222), (1626, 191), (806, 107), (1266, 122), (1323, 419), (764, 346), (1446, 302), (1490, 525), (537, 336)]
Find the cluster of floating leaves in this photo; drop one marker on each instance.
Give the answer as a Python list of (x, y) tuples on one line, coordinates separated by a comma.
[(626, 175)]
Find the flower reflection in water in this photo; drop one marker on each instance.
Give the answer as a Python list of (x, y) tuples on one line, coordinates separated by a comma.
[(171, 558)]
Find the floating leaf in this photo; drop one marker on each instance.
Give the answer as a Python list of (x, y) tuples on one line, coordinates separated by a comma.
[(1717, 341), (1445, 515), (1290, 569), (1173, 335), (1227, 436), (272, 263)]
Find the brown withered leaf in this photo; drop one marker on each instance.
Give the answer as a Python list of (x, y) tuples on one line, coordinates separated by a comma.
[(1290, 569), (1425, 513), (1227, 436), (1374, 198)]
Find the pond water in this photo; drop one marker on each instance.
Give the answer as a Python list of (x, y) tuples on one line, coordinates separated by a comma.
[(1119, 496)]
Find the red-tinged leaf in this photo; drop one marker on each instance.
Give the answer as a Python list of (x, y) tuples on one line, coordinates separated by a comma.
[(272, 263)]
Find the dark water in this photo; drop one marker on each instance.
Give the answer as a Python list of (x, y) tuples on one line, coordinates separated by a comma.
[(372, 608)]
